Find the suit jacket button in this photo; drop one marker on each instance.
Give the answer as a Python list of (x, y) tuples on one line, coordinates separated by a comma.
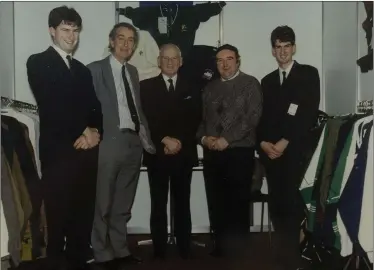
[(113, 138)]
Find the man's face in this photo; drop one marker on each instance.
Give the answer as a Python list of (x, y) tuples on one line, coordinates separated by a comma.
[(65, 36), (283, 52), (227, 63), (170, 61), (123, 44)]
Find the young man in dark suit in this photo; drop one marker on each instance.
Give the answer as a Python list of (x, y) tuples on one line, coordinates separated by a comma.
[(70, 128), (172, 107), (291, 99)]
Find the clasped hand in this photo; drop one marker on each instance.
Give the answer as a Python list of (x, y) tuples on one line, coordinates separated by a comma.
[(274, 151), (215, 143), (172, 145), (89, 139)]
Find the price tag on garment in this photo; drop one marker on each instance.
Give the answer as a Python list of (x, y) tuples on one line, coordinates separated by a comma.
[(163, 25), (292, 109)]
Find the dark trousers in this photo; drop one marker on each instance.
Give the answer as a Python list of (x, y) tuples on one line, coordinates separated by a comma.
[(228, 177), (285, 202), (69, 186), (161, 172)]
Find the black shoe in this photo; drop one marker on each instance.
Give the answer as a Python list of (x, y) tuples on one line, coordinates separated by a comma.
[(131, 259)]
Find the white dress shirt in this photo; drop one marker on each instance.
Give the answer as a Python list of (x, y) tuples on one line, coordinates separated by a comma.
[(167, 78), (123, 108), (287, 70), (63, 54)]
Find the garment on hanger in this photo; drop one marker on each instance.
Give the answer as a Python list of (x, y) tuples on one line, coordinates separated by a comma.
[(200, 66), (171, 22), (328, 196), (20, 155), (350, 203), (32, 122)]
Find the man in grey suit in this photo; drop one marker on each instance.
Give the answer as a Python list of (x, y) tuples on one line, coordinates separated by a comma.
[(125, 130)]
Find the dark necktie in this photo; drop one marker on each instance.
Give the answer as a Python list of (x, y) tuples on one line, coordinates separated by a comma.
[(284, 77), (130, 100), (70, 60), (171, 86)]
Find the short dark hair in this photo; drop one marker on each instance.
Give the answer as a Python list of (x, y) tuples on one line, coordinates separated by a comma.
[(230, 48), (113, 32), (283, 34), (64, 14)]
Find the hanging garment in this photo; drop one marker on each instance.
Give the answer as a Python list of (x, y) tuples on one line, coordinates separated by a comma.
[(16, 140), (10, 208), (200, 65), (350, 203), (366, 224), (171, 22), (32, 123)]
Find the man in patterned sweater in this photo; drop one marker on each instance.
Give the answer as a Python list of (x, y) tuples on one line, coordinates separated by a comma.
[(232, 106)]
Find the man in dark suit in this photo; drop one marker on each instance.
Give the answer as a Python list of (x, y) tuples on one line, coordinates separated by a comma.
[(172, 107), (70, 128), (291, 100), (117, 87)]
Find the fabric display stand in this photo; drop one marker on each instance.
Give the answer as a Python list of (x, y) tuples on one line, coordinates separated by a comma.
[(337, 189), (21, 200)]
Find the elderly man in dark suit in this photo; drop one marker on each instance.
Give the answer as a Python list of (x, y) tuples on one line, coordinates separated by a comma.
[(117, 87), (291, 99), (172, 107), (70, 128)]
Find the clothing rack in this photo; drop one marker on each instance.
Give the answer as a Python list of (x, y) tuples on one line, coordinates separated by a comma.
[(337, 191), (18, 105), (21, 207)]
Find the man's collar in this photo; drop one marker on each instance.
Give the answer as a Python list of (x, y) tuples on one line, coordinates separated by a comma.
[(233, 77), (166, 78), (61, 52), (288, 69), (117, 63)]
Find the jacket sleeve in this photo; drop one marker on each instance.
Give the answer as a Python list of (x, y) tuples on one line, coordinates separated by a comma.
[(301, 117), (95, 119), (201, 129)]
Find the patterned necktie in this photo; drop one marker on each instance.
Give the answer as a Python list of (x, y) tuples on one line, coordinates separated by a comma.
[(284, 77), (171, 86), (130, 100), (70, 60)]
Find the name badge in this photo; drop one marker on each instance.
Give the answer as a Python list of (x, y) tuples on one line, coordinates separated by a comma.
[(163, 25), (292, 109)]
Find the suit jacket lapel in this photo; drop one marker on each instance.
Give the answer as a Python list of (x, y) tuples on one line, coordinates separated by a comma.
[(291, 74), (60, 63), (135, 86), (109, 83)]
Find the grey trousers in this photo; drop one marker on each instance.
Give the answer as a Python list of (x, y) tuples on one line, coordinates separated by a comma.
[(118, 175)]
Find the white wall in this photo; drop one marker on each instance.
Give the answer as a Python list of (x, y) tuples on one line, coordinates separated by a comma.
[(366, 80), (339, 56), (6, 49), (252, 38), (32, 36)]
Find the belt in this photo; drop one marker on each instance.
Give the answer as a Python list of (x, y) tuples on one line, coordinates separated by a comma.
[(128, 130)]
